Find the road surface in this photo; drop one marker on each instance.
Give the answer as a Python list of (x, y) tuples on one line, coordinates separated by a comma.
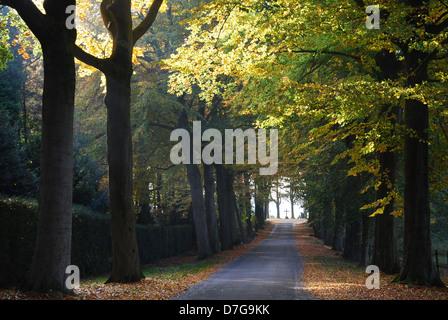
[(270, 271)]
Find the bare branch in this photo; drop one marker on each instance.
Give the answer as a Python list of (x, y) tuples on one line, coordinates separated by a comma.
[(89, 59), (164, 126), (141, 29)]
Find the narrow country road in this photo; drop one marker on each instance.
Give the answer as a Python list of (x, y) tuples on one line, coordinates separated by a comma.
[(270, 271)]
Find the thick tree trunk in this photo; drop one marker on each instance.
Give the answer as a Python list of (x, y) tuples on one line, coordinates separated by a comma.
[(417, 266), (126, 261), (199, 218), (53, 243), (210, 207), (385, 253), (385, 250), (118, 71), (197, 198)]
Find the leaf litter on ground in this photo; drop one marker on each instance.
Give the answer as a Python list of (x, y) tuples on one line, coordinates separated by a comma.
[(326, 275), (329, 276), (163, 280)]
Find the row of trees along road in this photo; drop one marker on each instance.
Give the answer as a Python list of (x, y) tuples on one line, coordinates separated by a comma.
[(117, 57), (52, 251), (352, 106)]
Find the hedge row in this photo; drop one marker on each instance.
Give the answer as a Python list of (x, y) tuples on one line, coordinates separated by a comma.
[(91, 241)]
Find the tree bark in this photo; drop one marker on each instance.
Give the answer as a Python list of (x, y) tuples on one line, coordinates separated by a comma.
[(210, 207), (385, 250), (199, 218), (225, 211), (197, 198), (277, 206), (364, 248), (417, 267), (239, 219), (291, 199), (126, 265), (338, 240), (118, 72), (53, 242)]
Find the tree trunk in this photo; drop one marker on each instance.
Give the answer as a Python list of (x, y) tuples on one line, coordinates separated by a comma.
[(338, 240), (385, 253), (417, 267), (385, 250), (277, 205), (225, 204), (210, 207), (328, 224), (352, 237), (239, 220), (197, 198), (259, 214), (118, 71), (291, 198), (199, 218), (126, 261), (259, 206), (364, 247), (53, 243)]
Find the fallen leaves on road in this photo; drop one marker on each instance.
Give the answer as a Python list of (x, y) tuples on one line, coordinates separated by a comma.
[(328, 276), (161, 286)]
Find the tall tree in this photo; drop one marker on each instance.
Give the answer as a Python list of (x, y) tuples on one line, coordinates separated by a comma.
[(341, 104), (417, 265), (53, 243), (225, 206), (118, 71), (210, 207), (385, 247), (197, 198)]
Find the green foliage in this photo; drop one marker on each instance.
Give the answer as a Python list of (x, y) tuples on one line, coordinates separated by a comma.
[(87, 175), (16, 177), (310, 69), (17, 237)]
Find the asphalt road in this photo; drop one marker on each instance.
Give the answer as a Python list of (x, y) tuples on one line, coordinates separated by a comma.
[(270, 271)]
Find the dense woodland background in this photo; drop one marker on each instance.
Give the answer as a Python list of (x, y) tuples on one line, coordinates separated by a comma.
[(350, 104)]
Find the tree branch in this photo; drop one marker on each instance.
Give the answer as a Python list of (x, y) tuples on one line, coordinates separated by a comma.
[(437, 28), (164, 126), (337, 53), (31, 15), (89, 59), (141, 29)]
